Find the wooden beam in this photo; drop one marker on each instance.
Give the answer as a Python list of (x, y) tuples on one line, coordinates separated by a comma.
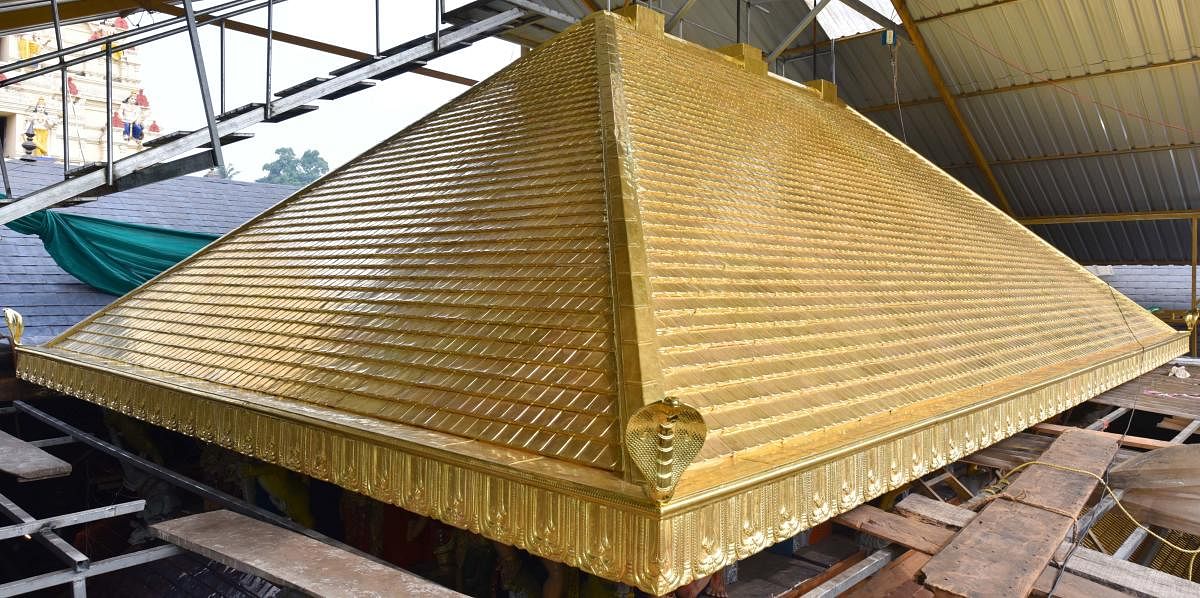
[(39, 16), (303, 42), (1033, 84), (1094, 565), (1138, 442), (935, 74), (1111, 217), (1026, 530), (923, 530), (963, 10), (896, 528), (590, 5)]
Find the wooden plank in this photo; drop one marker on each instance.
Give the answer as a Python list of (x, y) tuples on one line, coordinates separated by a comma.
[(896, 528), (767, 574), (1148, 444), (1131, 578), (919, 536), (1004, 549), (934, 512), (1071, 584), (896, 579), (289, 559), (29, 462)]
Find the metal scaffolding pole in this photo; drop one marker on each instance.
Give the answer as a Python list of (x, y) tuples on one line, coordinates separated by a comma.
[(1195, 259), (790, 38), (3, 163), (108, 114), (267, 110), (66, 119), (205, 96)]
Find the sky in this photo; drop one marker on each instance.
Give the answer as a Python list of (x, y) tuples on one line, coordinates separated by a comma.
[(340, 129)]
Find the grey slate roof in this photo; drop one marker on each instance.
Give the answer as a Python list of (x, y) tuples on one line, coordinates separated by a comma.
[(52, 300)]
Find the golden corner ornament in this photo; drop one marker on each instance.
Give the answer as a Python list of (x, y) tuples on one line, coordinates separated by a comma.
[(631, 305)]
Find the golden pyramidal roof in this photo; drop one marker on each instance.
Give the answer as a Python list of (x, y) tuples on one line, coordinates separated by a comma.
[(630, 304)]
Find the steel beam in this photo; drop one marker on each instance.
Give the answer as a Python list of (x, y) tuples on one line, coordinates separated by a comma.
[(33, 61), (50, 441), (57, 578), (1111, 217), (874, 16), (935, 74), (856, 573), (206, 97), (743, 22), (74, 187), (62, 75), (3, 163), (46, 537), (37, 525), (678, 15), (18, 17), (797, 30)]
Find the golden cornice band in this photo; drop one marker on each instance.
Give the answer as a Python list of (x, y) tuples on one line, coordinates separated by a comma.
[(653, 549)]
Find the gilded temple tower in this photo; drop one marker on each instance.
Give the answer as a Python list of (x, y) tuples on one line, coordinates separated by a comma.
[(35, 105)]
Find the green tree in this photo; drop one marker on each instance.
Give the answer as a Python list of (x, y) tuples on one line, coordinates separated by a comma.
[(227, 172), (287, 169)]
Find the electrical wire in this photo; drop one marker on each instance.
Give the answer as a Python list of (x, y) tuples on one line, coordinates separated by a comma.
[(1117, 501), (1078, 535), (896, 89)]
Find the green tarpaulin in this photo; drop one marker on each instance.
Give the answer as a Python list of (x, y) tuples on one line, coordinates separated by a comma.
[(113, 257)]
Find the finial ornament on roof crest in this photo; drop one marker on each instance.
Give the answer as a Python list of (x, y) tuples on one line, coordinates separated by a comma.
[(662, 439), (15, 323)]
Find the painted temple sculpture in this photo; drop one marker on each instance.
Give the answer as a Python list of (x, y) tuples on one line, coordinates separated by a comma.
[(631, 305)]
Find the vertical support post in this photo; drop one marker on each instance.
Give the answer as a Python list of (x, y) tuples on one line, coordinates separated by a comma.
[(935, 75), (205, 96), (267, 109), (1195, 257), (3, 163), (743, 22), (108, 114), (437, 25), (66, 120), (378, 43), (813, 34), (222, 66)]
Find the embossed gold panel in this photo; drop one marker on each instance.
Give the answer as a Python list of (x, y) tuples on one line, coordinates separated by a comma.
[(463, 320)]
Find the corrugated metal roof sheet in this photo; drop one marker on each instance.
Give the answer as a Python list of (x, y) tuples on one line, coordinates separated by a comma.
[(1109, 90), (839, 20)]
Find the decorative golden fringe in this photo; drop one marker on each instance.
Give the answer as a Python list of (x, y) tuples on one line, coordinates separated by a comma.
[(655, 550)]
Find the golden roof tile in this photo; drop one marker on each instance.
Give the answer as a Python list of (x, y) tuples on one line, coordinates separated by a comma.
[(630, 304)]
